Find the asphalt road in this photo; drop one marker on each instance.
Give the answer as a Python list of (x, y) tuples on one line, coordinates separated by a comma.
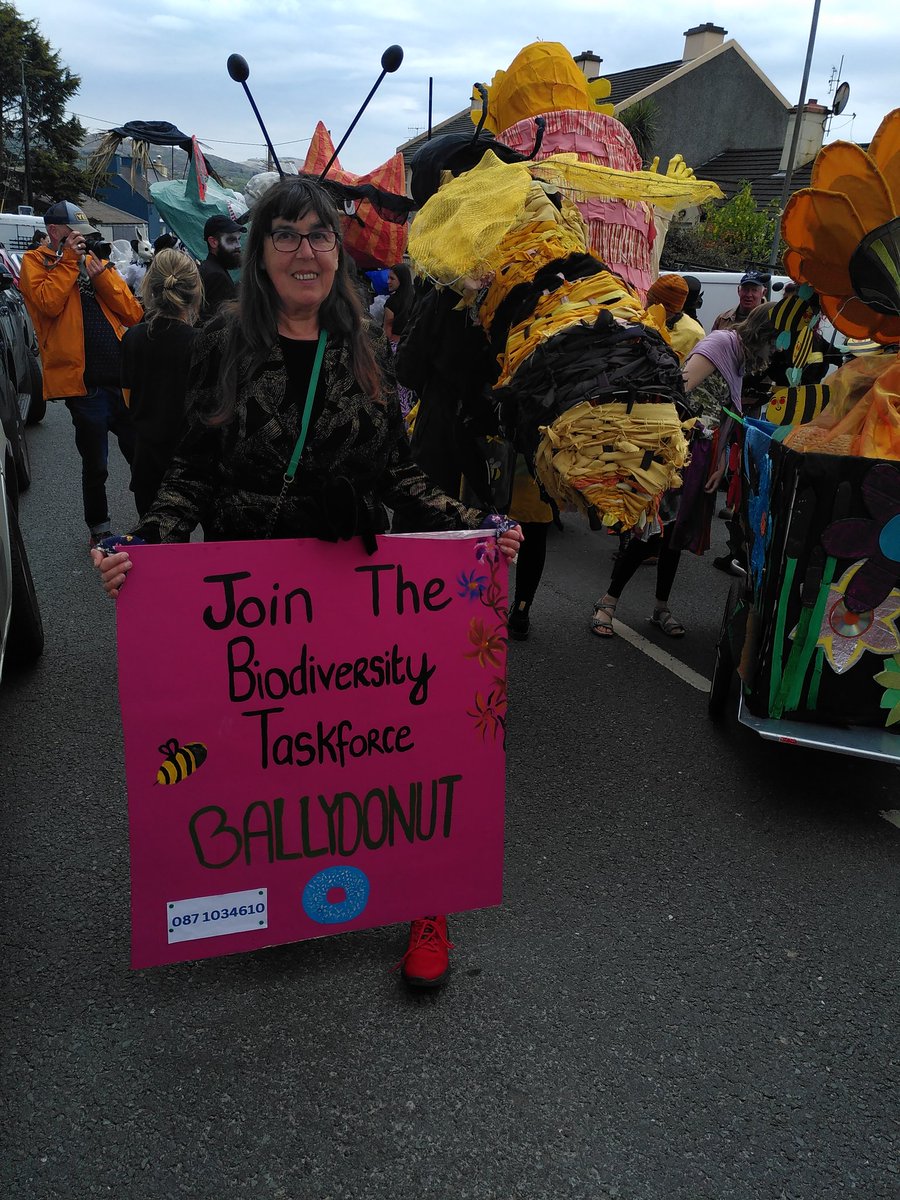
[(690, 991)]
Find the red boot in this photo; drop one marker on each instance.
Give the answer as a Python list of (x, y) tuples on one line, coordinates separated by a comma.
[(427, 961)]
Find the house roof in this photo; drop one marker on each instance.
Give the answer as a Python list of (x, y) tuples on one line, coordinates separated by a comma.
[(105, 214), (680, 69), (624, 84), (759, 168), (732, 168)]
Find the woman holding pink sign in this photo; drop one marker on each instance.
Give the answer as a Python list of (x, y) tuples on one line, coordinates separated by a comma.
[(295, 430)]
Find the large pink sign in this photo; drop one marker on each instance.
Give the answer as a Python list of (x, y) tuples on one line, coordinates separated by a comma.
[(314, 737)]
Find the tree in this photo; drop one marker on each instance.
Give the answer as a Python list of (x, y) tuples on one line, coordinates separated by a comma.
[(54, 138), (641, 119), (728, 237)]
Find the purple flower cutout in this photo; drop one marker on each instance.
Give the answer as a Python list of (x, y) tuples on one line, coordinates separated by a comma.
[(877, 540)]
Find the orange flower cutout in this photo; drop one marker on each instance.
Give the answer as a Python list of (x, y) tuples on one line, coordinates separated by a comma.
[(843, 234)]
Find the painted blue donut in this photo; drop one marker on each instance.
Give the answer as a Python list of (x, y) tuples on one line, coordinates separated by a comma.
[(320, 909)]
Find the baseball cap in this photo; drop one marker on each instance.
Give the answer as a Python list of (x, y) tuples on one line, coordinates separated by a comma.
[(218, 225), (64, 212), (759, 278)]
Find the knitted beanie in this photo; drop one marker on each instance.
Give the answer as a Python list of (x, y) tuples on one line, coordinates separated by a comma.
[(670, 291)]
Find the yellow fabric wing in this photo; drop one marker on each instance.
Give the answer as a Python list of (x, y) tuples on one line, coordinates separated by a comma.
[(457, 233), (584, 181)]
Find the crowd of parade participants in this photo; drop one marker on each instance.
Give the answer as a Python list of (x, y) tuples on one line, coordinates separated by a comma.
[(171, 369), (380, 387)]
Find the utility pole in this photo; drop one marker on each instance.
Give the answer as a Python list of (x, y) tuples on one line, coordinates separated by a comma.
[(26, 144), (792, 154)]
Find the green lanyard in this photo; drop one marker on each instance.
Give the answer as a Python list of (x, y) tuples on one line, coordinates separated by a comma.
[(307, 409), (291, 471)]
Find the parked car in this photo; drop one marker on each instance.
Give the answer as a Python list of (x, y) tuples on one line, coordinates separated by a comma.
[(21, 629), (21, 381)]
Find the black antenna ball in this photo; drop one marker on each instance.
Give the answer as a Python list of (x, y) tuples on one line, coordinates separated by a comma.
[(238, 68), (392, 58)]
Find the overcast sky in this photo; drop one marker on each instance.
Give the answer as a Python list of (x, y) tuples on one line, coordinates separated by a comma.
[(165, 59)]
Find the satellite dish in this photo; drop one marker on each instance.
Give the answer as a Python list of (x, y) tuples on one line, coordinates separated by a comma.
[(841, 96)]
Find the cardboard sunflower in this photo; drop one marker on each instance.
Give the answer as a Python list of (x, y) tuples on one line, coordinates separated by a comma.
[(843, 234)]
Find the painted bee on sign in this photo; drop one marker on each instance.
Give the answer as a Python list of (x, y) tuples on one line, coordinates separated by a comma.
[(179, 761)]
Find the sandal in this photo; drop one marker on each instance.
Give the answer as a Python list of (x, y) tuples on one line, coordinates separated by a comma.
[(602, 620), (670, 626)]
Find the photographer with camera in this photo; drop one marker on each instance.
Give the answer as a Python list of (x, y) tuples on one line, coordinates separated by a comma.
[(81, 307)]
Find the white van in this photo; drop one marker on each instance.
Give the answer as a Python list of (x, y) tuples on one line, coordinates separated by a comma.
[(17, 230), (719, 291)]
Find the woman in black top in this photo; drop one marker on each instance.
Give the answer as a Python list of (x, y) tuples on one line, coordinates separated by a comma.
[(251, 372), (156, 356), (399, 303)]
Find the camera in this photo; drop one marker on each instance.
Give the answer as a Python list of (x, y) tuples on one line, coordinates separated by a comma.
[(97, 247)]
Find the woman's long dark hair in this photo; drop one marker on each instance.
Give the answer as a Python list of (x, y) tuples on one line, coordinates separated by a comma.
[(253, 324)]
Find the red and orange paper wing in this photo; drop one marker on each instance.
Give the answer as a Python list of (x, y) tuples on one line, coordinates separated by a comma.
[(377, 242)]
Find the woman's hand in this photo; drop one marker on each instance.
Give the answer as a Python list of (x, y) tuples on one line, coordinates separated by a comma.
[(113, 568), (510, 542), (715, 479)]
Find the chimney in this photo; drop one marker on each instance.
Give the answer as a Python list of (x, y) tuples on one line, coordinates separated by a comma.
[(589, 64), (700, 39), (812, 133)]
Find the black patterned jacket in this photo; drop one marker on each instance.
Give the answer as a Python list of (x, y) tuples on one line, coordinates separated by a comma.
[(356, 461)]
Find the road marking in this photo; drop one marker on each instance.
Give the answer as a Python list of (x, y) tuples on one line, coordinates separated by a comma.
[(684, 673), (892, 815)]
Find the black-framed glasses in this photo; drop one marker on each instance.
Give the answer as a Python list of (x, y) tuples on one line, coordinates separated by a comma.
[(288, 241)]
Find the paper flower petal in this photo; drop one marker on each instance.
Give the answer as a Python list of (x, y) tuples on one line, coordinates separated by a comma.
[(871, 585), (884, 150), (854, 537), (846, 168), (856, 320), (824, 225)]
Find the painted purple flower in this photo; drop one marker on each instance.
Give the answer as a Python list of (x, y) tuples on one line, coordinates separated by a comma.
[(875, 539), (486, 551), (471, 584)]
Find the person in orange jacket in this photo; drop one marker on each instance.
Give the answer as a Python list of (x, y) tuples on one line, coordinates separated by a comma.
[(81, 307)]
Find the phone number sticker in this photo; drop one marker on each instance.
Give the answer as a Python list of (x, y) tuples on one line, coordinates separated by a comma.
[(215, 916)]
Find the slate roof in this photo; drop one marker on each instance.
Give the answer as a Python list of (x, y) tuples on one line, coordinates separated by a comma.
[(731, 168), (629, 83)]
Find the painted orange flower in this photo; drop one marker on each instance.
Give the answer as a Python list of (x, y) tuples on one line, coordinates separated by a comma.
[(843, 234), (487, 645), (488, 719)]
